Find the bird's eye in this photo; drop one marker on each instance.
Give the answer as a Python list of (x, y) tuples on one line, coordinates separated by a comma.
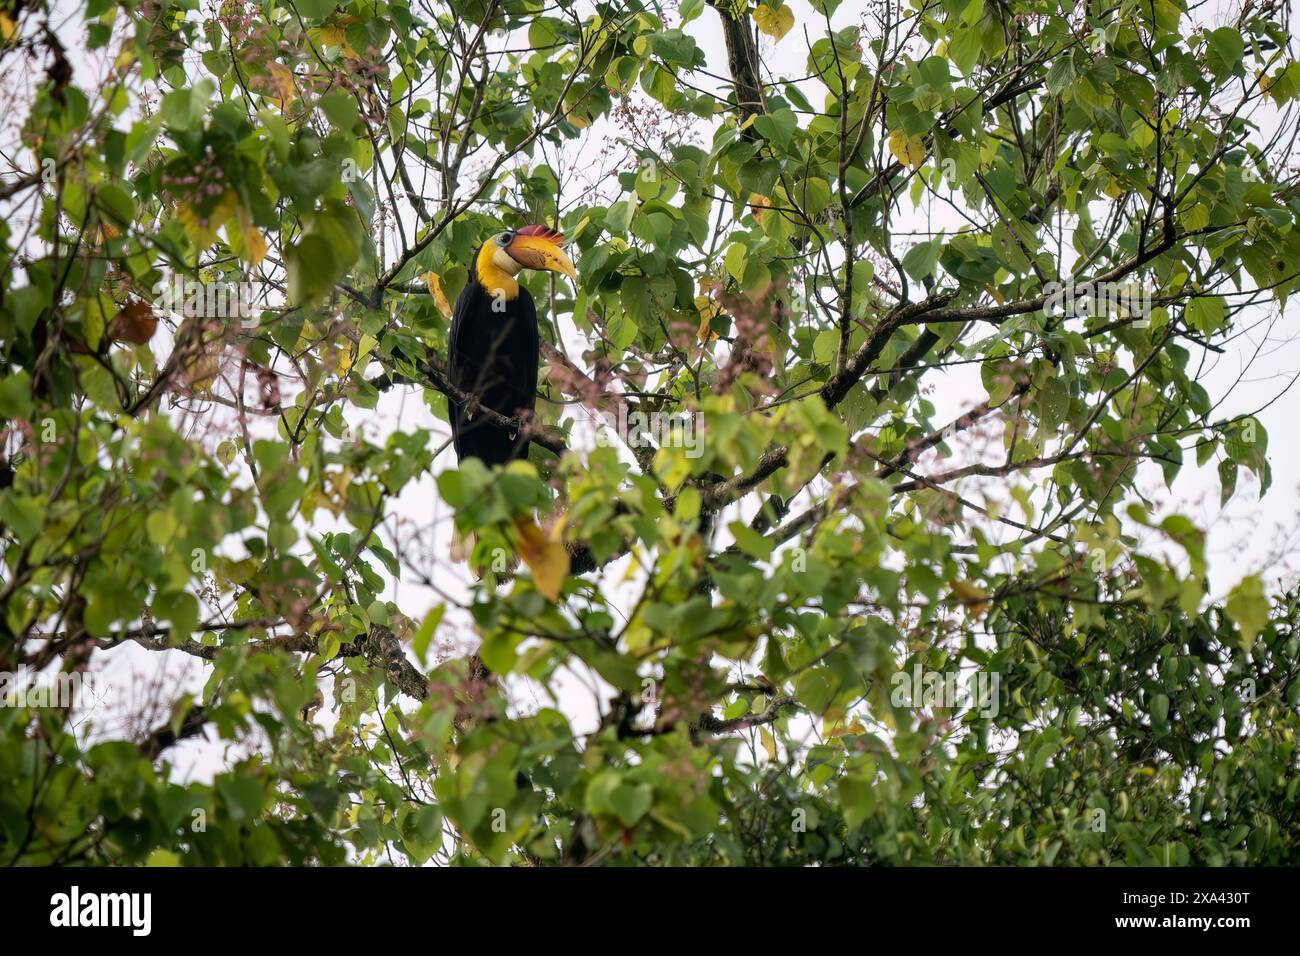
[(505, 238)]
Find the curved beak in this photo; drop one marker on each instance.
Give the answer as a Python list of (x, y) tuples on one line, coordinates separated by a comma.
[(536, 252)]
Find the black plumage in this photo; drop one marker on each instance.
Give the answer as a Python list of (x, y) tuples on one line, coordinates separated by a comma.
[(493, 355)]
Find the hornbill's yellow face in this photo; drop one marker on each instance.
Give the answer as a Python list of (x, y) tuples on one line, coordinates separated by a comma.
[(532, 247)]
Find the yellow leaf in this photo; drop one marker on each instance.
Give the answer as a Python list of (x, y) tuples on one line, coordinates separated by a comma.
[(7, 26), (306, 337), (230, 213), (706, 303), (840, 729), (350, 358), (769, 742), (578, 114), (775, 23), (545, 554), (1264, 83), (434, 282), (1114, 190), (254, 244), (281, 85), (202, 370), (201, 367), (338, 482), (197, 354), (707, 311), (908, 150), (189, 220), (333, 36), (202, 230), (974, 600), (757, 204), (344, 363)]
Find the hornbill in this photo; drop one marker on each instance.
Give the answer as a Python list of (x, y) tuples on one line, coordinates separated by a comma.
[(494, 349)]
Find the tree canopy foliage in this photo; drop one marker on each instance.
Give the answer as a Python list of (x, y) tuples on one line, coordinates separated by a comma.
[(231, 232)]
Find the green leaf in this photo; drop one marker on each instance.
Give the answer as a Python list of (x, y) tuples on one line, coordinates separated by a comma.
[(1226, 48), (340, 108), (15, 395), (750, 541), (1060, 75), (1247, 605), (315, 9), (778, 126), (312, 270), (423, 636), (1227, 480), (631, 802), (964, 48), (181, 610), (735, 259), (115, 201), (183, 109), (1160, 710), (921, 259), (1206, 313), (23, 515)]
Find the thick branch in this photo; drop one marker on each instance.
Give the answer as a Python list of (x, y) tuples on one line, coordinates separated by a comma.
[(380, 648)]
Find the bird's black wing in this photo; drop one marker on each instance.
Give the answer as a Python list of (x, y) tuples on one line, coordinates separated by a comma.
[(530, 353), (493, 355)]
